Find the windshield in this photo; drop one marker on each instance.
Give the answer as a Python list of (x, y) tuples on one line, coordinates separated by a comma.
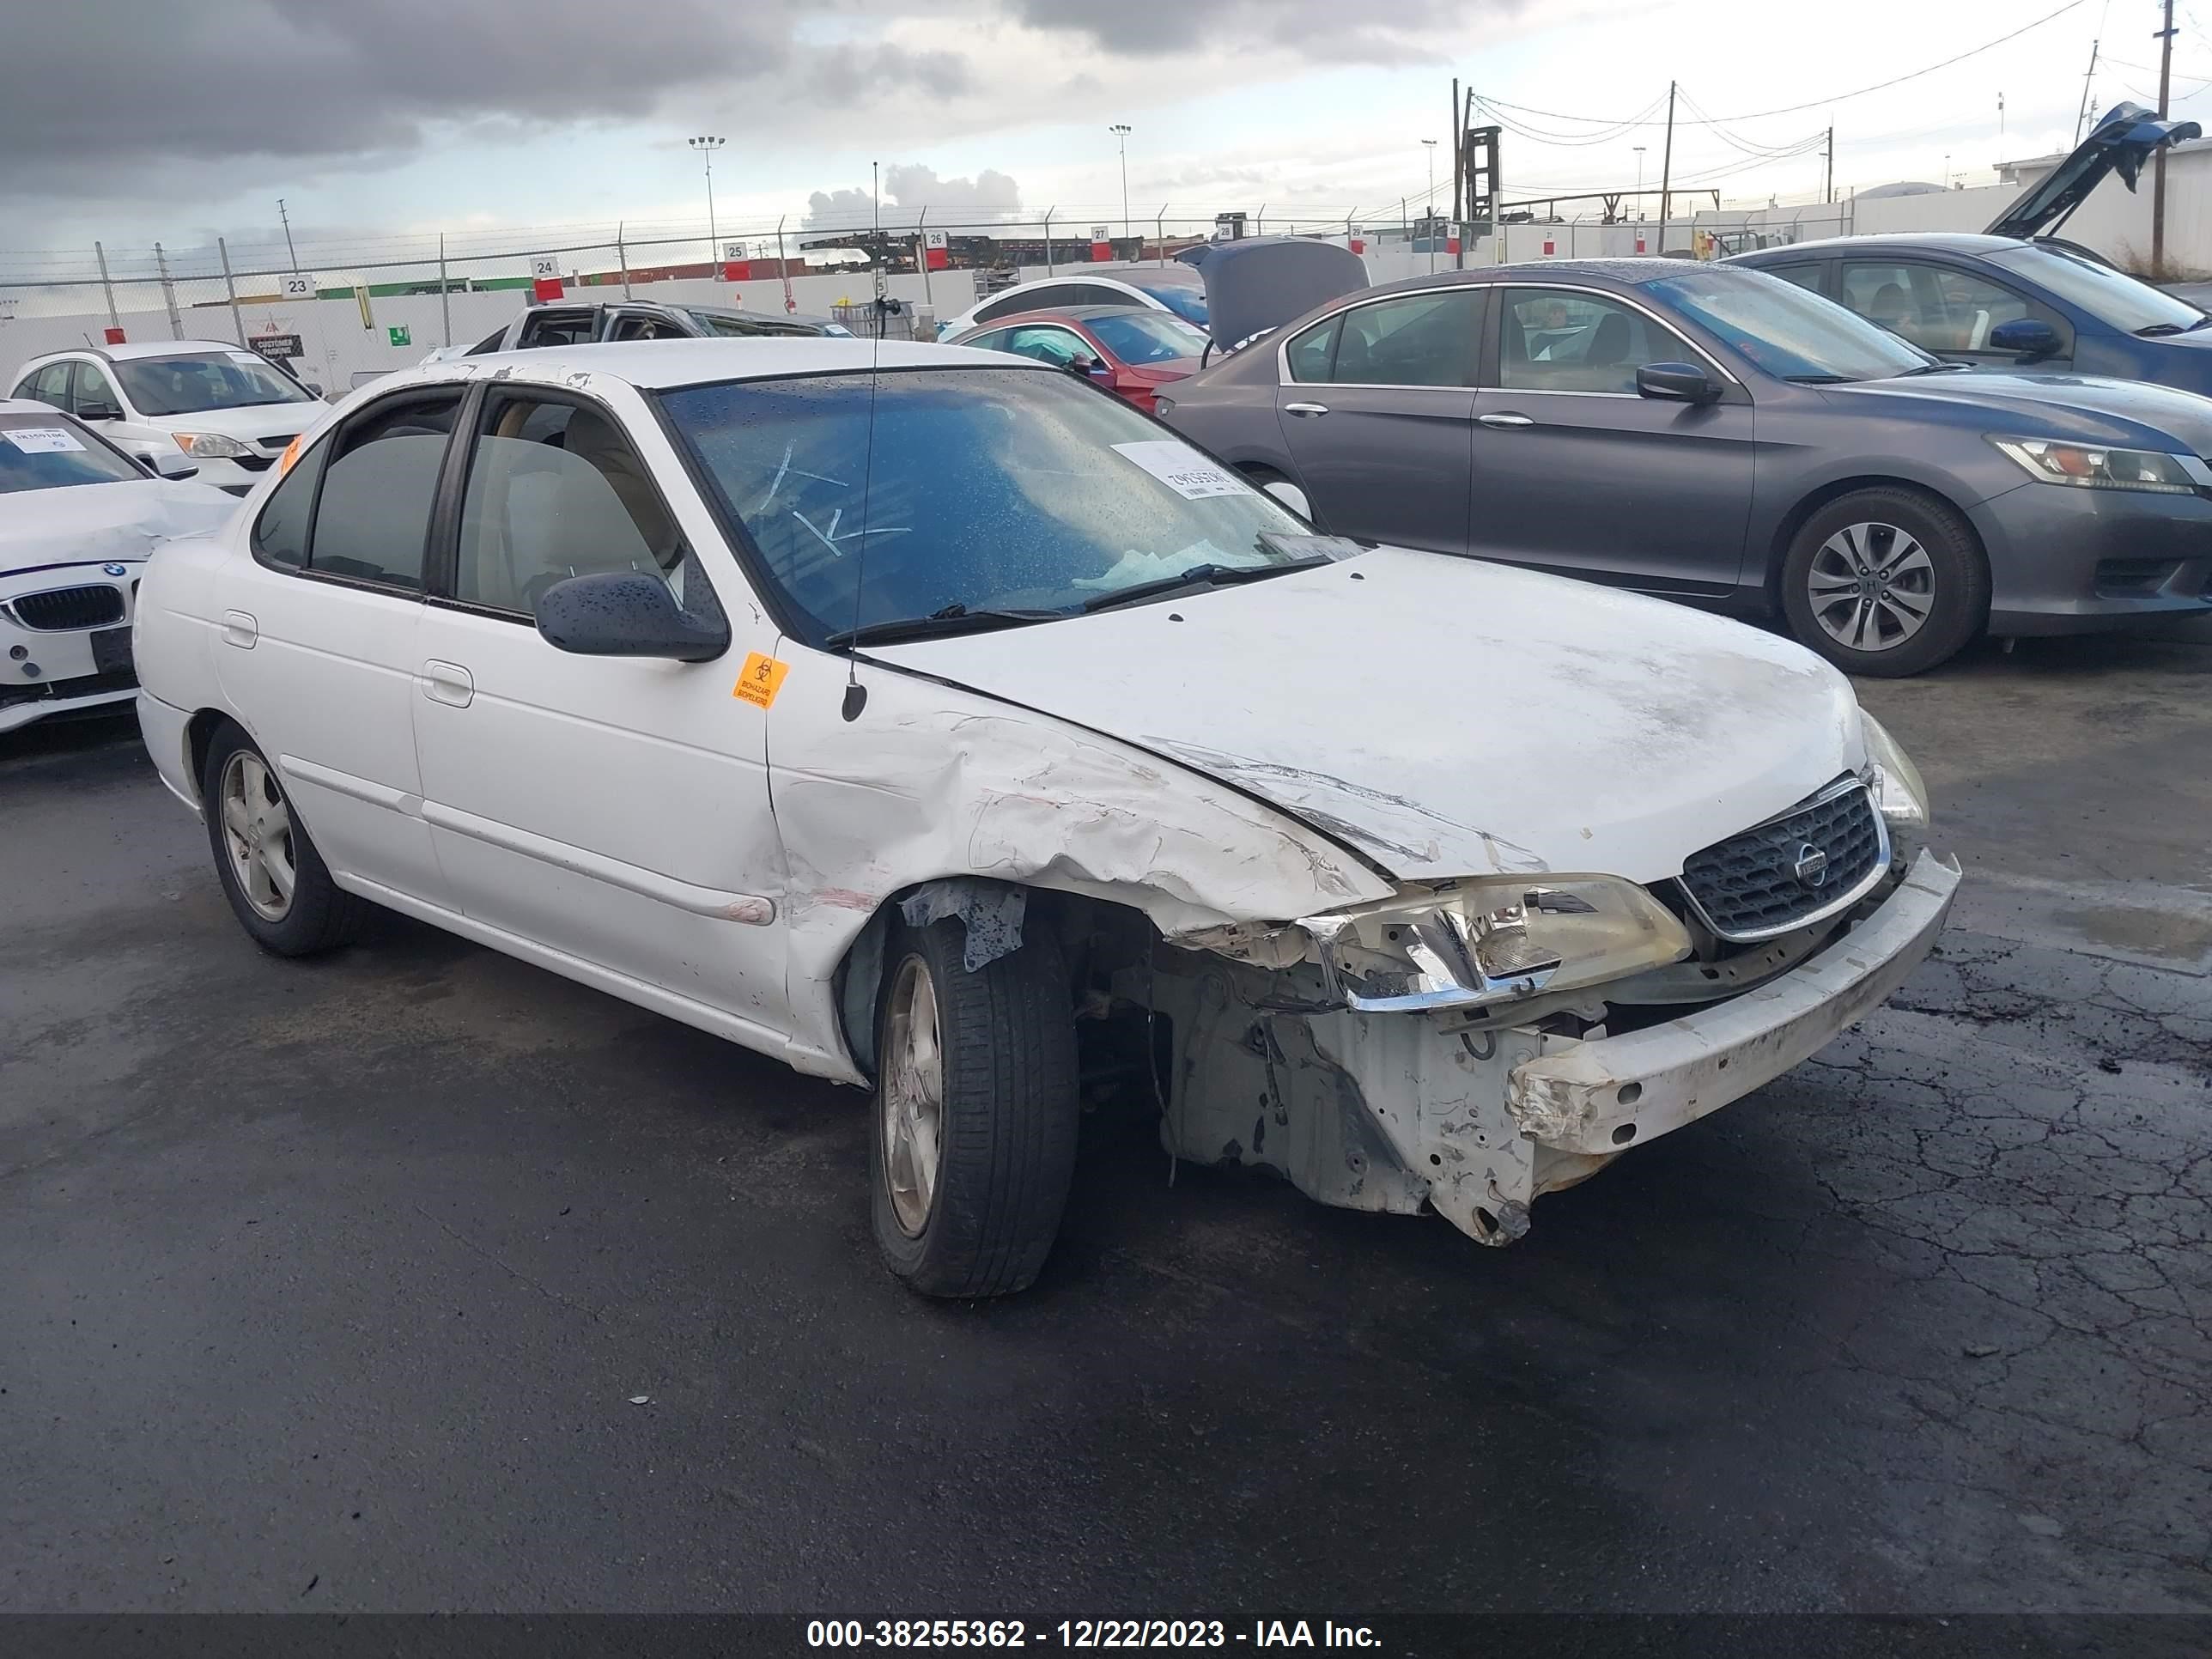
[(993, 490), (1186, 300), (204, 380), (1792, 334), (1146, 336), (2109, 295), (45, 452)]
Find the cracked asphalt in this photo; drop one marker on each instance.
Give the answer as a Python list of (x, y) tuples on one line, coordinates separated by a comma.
[(416, 1279)]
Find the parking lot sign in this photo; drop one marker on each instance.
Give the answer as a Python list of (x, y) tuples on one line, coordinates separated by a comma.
[(296, 285), (398, 335)]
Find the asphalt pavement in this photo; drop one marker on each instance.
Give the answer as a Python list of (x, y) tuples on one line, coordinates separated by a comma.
[(418, 1279)]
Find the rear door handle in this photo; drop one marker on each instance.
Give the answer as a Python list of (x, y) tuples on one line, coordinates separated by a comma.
[(240, 629), (1504, 419), (1305, 408), (449, 683)]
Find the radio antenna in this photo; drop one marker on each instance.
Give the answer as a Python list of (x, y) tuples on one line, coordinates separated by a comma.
[(856, 695)]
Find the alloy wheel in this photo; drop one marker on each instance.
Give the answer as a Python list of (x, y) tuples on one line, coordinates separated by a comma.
[(913, 1105), (256, 830), (1872, 587)]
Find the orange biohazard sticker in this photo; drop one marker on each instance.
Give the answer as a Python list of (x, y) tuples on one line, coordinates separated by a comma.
[(759, 681)]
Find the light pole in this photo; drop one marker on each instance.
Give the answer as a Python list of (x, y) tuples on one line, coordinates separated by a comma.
[(1120, 130), (1429, 213), (705, 143), (1639, 181)]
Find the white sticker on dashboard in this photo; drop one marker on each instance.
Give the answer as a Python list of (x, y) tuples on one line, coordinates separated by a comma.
[(39, 440), (1183, 470)]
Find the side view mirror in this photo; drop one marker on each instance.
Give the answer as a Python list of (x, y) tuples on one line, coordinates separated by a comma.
[(313, 390), (98, 412), (1681, 383), (620, 613), (2026, 337), (171, 464)]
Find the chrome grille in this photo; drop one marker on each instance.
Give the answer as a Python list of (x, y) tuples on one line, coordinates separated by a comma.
[(1808, 862), (62, 608)]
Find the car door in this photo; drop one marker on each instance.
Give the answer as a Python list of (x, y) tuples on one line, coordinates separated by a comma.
[(1575, 471), (1376, 405), (612, 809), (316, 636), (1948, 309)]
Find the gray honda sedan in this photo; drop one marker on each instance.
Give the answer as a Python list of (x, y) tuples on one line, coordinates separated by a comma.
[(1717, 434)]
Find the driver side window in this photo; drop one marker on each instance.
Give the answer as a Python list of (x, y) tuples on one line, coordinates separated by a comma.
[(556, 491), (1569, 340)]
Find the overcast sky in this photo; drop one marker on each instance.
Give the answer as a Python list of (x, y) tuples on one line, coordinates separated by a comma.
[(130, 120)]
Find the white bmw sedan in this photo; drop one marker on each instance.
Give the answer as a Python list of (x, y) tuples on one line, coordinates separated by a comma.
[(936, 721), (78, 519)]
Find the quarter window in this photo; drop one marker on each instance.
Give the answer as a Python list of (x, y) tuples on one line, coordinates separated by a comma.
[(1935, 306), (372, 512), (556, 491), (49, 386), (1422, 339), (1564, 340)]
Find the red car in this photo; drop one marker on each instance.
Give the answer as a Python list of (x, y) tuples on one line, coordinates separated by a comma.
[(1127, 350)]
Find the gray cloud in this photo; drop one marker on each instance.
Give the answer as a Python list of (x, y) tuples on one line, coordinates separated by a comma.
[(1324, 30)]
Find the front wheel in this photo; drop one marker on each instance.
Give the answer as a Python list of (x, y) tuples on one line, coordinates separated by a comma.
[(1885, 581), (277, 883), (975, 1112)]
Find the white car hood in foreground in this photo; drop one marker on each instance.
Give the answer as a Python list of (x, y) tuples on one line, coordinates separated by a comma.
[(92, 523), (1445, 717)]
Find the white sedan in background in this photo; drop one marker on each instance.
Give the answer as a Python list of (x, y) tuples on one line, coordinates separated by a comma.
[(940, 725), (78, 518)]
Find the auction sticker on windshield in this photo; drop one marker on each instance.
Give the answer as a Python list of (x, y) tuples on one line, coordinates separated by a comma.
[(39, 440), (1189, 475)]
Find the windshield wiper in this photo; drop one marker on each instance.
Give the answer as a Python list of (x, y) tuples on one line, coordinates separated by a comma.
[(1818, 379), (2155, 331), (1930, 369), (1199, 576), (938, 624)]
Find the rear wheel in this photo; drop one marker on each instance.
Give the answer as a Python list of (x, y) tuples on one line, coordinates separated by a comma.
[(278, 885), (975, 1112), (1885, 581)]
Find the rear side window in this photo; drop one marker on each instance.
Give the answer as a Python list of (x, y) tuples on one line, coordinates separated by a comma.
[(1806, 277), (1309, 354), (557, 328), (372, 509), (49, 386), (1035, 299)]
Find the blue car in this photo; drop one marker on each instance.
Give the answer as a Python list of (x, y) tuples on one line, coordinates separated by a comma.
[(2015, 297)]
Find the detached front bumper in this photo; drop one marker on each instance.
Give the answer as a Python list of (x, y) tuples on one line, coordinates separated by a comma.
[(1596, 1097)]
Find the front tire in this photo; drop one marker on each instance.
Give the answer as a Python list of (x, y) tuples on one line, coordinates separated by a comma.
[(1885, 581), (278, 885), (975, 1112)]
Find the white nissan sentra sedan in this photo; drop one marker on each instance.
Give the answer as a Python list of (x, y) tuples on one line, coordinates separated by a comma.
[(942, 725)]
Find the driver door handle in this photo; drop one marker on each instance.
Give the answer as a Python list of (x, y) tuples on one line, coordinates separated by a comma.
[(1504, 419), (449, 683), (1305, 408)]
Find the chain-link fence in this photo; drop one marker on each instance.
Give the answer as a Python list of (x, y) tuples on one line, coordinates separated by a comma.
[(341, 313)]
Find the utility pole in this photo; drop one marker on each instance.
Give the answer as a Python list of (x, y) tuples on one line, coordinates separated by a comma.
[(286, 220), (1429, 216), (707, 144), (2081, 120), (1667, 168), (1828, 189), (1120, 130), (2157, 177)]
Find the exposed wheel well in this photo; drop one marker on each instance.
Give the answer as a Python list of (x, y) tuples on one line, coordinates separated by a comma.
[(199, 732), (1793, 520)]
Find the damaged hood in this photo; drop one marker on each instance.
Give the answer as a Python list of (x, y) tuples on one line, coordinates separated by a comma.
[(92, 523), (1444, 717)]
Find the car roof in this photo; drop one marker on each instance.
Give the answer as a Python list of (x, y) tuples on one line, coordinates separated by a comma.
[(128, 352), (659, 364), (1941, 242), (1076, 314)]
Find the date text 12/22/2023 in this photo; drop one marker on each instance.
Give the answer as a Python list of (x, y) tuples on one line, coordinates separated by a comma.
[(1086, 1633)]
